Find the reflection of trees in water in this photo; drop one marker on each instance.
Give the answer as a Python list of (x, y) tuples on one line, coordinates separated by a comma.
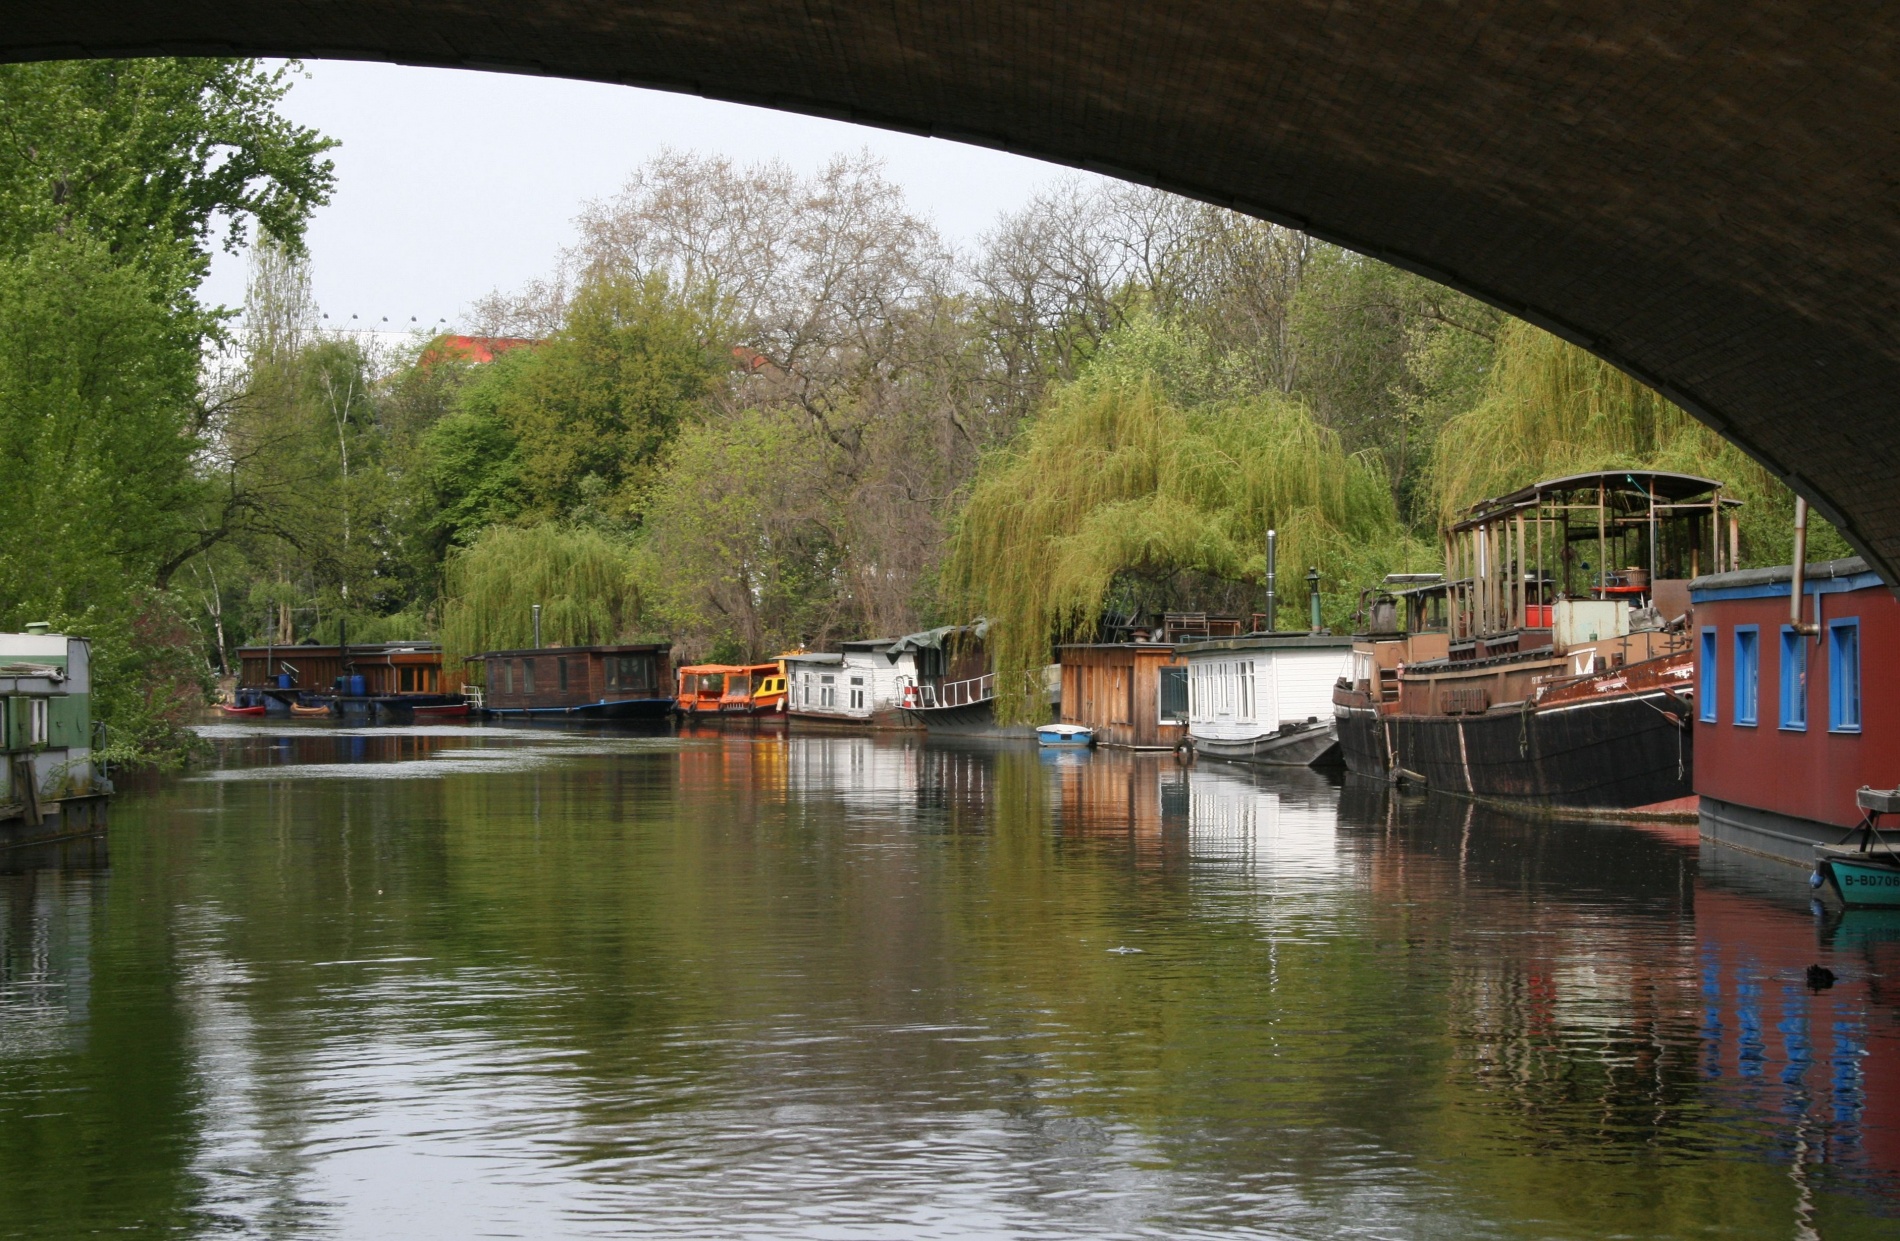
[(1337, 988)]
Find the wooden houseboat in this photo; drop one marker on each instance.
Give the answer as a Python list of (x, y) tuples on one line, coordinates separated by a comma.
[(1566, 683), (1785, 735), (860, 686), (1266, 698), (628, 681), (1131, 694), (1401, 622), (367, 677), (708, 690), (50, 788)]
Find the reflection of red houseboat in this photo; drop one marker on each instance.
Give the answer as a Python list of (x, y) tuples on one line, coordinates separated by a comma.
[(1784, 732)]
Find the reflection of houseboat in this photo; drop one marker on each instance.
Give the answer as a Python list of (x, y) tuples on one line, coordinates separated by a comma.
[(623, 682), (367, 677), (706, 690), (49, 788), (861, 686), (1784, 734), (1131, 694), (1265, 698), (1567, 683)]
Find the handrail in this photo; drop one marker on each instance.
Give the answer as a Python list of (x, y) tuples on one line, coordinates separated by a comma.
[(965, 693)]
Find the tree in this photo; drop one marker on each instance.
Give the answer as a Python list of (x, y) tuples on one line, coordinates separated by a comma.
[(150, 158), (1118, 494), (581, 579), (1549, 408)]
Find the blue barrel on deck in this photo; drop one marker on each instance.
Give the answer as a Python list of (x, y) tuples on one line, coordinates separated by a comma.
[(357, 686), (283, 680)]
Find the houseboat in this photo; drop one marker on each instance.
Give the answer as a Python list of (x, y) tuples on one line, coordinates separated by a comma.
[(1266, 698), (954, 690), (1128, 694), (1785, 737), (1569, 671), (631, 681), (50, 788), (713, 690), (860, 686), (1400, 622), (367, 678)]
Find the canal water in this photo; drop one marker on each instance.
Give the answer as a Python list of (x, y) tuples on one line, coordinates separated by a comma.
[(452, 982)]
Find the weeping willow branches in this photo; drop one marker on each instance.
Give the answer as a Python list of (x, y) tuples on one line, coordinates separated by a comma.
[(581, 579), (1550, 409), (1115, 479)]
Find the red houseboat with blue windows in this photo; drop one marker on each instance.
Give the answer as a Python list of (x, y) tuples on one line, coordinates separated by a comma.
[(1791, 717)]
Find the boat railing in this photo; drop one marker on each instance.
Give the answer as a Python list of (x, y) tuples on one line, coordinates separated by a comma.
[(957, 693), (472, 694)]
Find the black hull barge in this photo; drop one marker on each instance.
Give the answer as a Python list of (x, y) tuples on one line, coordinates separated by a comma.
[(1630, 754)]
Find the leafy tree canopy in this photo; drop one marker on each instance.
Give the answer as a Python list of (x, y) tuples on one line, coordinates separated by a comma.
[(152, 157)]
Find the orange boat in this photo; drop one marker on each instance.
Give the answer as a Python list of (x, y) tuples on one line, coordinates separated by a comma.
[(730, 689)]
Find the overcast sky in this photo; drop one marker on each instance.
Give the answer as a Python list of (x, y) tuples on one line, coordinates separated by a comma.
[(452, 183)]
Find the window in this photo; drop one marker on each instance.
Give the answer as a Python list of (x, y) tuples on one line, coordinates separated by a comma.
[(508, 674), (827, 692), (527, 676), (1747, 670), (36, 722), (560, 673), (1705, 667), (1794, 679), (857, 693), (1843, 676), (632, 673), (1174, 696), (1246, 689)]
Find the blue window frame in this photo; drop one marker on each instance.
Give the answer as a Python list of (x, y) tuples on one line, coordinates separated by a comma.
[(1747, 674), (1707, 680), (1843, 675), (1794, 679)]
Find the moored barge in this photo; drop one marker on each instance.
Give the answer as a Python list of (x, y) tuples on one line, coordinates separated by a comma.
[(626, 681), (1565, 683)]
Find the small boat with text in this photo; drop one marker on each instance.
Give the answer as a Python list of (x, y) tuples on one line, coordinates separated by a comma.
[(1864, 874)]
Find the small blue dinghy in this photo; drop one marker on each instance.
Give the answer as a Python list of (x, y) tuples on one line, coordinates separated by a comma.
[(1065, 736)]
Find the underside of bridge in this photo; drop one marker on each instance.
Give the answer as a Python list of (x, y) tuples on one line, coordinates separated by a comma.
[(1705, 193)]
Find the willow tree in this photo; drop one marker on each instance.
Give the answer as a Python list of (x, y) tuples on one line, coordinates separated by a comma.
[(1551, 409), (1114, 480), (582, 580)]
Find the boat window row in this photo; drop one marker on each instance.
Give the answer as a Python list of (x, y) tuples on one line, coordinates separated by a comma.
[(1744, 654), (1225, 688)]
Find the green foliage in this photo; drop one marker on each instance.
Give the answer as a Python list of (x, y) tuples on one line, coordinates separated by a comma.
[(473, 458), (1115, 485), (148, 156), (601, 398), (740, 549), (1551, 409), (114, 177), (582, 580)]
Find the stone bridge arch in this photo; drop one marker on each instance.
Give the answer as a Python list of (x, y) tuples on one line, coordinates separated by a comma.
[(1706, 193)]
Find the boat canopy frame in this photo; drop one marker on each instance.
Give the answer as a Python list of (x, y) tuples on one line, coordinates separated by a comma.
[(1511, 556)]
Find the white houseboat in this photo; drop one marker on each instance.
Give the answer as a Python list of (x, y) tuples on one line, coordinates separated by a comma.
[(861, 686), (1265, 698)]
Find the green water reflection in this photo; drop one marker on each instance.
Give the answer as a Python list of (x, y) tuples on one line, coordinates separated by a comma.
[(453, 982)]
